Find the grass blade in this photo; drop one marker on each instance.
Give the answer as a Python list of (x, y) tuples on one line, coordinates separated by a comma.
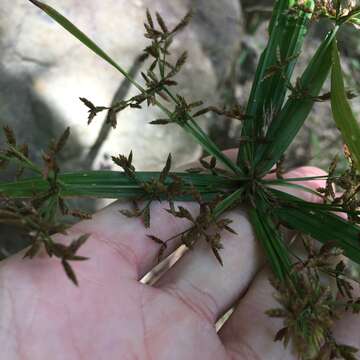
[(115, 185), (287, 31), (77, 33), (343, 115), (228, 202), (286, 125), (290, 200), (322, 225), (270, 239)]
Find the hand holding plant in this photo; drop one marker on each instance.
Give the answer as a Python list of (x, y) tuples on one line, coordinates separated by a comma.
[(238, 190), (114, 316)]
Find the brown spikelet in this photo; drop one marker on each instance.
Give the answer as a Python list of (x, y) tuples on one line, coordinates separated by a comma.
[(62, 141), (161, 23), (149, 19), (146, 216), (10, 136), (160, 122), (79, 242), (181, 60), (165, 172), (24, 149), (183, 23), (70, 272)]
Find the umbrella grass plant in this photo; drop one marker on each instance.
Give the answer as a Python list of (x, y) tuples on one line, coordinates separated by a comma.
[(276, 110)]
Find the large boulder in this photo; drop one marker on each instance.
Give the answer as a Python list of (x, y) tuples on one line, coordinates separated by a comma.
[(44, 71)]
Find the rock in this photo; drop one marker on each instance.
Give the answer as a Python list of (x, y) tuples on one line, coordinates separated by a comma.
[(218, 25), (45, 71)]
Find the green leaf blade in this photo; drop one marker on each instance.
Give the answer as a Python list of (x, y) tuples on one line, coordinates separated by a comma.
[(115, 185), (287, 124), (287, 30), (319, 223), (77, 33), (343, 115), (270, 239)]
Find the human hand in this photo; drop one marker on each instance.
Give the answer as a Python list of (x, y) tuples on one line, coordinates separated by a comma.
[(112, 315)]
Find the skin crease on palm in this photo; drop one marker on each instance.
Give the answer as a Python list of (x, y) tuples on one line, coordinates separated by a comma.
[(113, 316)]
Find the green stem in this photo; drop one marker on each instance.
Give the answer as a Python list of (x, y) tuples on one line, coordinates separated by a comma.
[(190, 125), (21, 160)]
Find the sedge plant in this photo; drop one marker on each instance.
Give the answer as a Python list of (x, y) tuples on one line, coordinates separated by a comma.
[(276, 110)]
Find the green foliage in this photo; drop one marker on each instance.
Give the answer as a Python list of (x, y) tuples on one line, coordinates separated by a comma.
[(270, 123), (343, 115), (287, 32)]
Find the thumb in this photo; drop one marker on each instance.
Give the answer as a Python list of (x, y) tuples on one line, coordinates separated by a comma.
[(313, 184)]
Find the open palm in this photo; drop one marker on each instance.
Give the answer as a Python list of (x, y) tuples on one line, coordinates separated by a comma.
[(112, 315)]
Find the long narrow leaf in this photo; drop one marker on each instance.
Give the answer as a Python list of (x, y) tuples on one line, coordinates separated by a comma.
[(286, 125), (270, 239), (290, 200), (115, 185), (77, 33), (343, 115), (287, 31), (321, 225), (228, 202)]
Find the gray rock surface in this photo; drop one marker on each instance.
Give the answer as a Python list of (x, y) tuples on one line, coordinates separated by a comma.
[(44, 71)]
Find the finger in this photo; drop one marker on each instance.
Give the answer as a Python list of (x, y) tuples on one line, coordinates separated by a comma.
[(209, 288), (249, 333), (302, 172)]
